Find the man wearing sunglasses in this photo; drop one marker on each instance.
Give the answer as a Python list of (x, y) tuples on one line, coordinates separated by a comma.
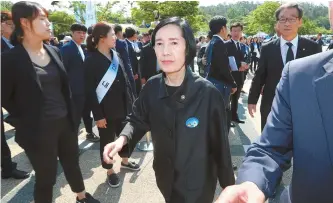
[(275, 54)]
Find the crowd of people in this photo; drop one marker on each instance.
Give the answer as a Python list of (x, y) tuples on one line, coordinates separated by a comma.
[(134, 84)]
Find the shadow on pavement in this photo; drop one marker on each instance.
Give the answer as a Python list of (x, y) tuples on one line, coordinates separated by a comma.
[(106, 194), (26, 192)]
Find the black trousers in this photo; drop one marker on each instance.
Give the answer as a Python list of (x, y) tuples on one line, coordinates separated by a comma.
[(6, 160), (234, 102), (82, 110), (254, 61), (138, 86), (264, 114), (57, 139), (109, 134)]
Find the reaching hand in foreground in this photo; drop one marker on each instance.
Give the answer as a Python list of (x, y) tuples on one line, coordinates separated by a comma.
[(246, 192)]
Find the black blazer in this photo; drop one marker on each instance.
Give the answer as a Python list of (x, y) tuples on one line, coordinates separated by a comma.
[(270, 67), (254, 54), (4, 46), (148, 62), (74, 66), (21, 93), (122, 49), (133, 59), (177, 147), (95, 68), (220, 69), (239, 57)]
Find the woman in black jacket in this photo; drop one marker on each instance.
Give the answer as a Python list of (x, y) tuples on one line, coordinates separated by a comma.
[(36, 93), (187, 119), (108, 92), (255, 53)]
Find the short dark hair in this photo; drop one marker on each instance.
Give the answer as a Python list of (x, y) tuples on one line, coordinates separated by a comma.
[(5, 15), (24, 9), (90, 30), (78, 27), (320, 34), (150, 31), (236, 25), (216, 24), (130, 32), (187, 32), (289, 5), (210, 35), (117, 29)]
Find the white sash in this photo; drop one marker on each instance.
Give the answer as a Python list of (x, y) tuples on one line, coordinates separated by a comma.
[(108, 78)]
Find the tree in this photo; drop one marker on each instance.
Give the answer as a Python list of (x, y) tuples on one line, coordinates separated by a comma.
[(104, 13), (323, 21), (168, 9), (62, 22), (79, 10), (6, 5), (262, 18)]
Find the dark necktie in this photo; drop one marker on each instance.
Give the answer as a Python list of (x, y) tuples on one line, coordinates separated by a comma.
[(290, 53), (238, 46)]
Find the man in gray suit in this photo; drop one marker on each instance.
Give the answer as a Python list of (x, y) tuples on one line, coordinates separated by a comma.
[(299, 126)]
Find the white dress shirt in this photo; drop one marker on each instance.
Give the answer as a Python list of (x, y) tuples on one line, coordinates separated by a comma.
[(221, 38), (284, 48), (80, 50)]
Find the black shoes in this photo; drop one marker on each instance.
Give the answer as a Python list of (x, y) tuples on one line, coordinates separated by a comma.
[(238, 121), (16, 174), (131, 166), (88, 199), (92, 137), (113, 180)]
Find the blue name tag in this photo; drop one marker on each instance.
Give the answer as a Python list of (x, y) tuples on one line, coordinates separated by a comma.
[(192, 122)]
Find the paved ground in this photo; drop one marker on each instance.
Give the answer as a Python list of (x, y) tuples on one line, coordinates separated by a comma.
[(139, 187)]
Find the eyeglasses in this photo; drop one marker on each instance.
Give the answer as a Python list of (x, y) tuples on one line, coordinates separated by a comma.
[(290, 20), (9, 23)]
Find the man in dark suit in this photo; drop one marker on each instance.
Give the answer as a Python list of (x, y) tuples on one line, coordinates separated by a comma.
[(234, 50), (201, 60), (8, 168), (148, 64), (219, 72), (122, 49), (299, 127), (73, 58), (275, 54), (133, 50)]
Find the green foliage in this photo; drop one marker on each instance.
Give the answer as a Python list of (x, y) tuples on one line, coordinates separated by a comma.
[(324, 22), (6, 5), (262, 18), (79, 10), (104, 13), (310, 27), (62, 21), (188, 10)]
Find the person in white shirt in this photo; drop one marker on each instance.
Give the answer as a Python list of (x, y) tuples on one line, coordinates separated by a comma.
[(275, 54)]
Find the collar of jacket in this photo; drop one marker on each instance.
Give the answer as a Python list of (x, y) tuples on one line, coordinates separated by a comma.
[(184, 92)]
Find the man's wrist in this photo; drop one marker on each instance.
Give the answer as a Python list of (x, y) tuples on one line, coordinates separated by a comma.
[(122, 140)]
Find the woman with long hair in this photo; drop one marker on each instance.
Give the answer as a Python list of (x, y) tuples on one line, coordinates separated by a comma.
[(187, 119), (37, 95), (109, 92)]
